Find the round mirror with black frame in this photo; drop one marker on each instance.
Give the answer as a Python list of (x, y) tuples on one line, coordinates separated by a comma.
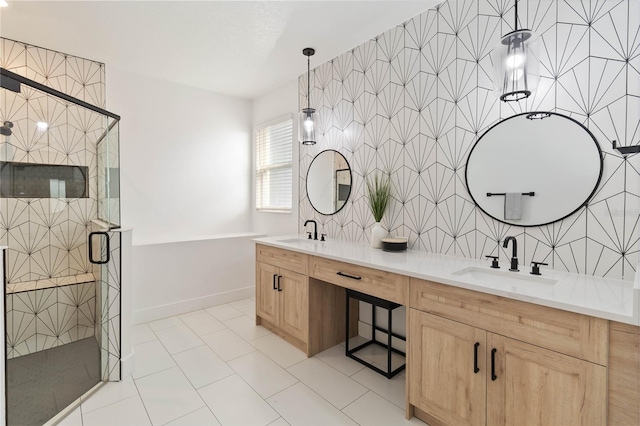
[(534, 168), (329, 182)]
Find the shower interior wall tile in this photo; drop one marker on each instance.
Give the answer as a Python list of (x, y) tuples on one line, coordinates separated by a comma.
[(100, 305), (46, 312), (23, 336), (8, 303), (48, 237), (85, 80), (46, 67), (86, 313), (17, 261), (78, 257), (67, 314), (13, 55)]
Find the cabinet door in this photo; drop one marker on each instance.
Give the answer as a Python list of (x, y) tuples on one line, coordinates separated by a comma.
[(445, 383), (294, 304), (535, 386), (266, 294)]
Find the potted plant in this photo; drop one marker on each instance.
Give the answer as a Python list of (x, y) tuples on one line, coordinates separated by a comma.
[(379, 196)]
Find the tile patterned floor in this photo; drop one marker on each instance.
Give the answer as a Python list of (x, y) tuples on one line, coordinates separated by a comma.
[(215, 367)]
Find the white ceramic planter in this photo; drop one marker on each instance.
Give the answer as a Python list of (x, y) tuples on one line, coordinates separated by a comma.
[(377, 234)]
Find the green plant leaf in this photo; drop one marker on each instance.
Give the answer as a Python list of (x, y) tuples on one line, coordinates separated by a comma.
[(378, 194)]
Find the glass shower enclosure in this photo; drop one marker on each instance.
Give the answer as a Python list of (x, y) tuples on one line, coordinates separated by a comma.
[(59, 215)]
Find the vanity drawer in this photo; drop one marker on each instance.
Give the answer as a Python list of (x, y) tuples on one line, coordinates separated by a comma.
[(384, 285), (290, 260), (573, 334)]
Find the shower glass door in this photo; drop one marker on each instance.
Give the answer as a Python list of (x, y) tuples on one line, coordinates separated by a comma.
[(57, 186), (108, 149), (107, 251)]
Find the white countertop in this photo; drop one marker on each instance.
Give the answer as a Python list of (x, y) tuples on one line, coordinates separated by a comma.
[(606, 298)]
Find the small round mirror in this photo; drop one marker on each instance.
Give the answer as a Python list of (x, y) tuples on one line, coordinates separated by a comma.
[(534, 168), (329, 182)]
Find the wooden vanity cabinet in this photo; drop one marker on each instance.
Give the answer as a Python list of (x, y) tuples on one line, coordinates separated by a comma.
[(472, 358), (282, 294), (624, 374), (536, 386), (308, 313), (448, 379), (468, 368), (282, 299)]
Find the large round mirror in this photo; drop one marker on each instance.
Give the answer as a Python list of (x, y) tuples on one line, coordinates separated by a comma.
[(329, 182), (533, 169)]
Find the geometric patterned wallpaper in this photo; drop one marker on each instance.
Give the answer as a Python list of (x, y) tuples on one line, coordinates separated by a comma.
[(47, 237), (413, 101)]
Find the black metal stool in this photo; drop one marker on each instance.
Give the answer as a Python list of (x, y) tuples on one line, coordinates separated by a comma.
[(389, 306)]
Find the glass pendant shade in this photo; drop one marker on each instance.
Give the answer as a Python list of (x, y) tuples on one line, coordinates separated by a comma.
[(308, 116), (307, 126), (516, 65)]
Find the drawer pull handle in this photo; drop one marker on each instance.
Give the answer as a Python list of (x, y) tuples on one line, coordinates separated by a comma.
[(279, 278), (493, 364), (274, 281), (353, 277), (475, 358)]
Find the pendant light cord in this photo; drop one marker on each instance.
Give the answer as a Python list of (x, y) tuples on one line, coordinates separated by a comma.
[(308, 82), (515, 28)]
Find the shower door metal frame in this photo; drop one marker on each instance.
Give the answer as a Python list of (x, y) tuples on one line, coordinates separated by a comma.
[(53, 92)]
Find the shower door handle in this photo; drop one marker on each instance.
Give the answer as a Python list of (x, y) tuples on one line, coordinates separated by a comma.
[(99, 261)]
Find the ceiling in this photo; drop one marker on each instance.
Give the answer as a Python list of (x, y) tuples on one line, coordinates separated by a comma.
[(238, 48)]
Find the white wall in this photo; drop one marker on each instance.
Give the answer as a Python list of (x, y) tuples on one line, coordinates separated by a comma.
[(281, 101), (185, 176), (185, 158), (191, 275)]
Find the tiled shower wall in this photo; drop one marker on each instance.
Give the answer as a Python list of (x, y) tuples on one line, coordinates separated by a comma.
[(108, 279), (413, 101), (47, 238)]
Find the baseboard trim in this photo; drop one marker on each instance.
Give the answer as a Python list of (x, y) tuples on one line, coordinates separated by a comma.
[(128, 365), (184, 306)]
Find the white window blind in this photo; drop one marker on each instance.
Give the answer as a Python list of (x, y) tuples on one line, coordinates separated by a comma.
[(274, 154)]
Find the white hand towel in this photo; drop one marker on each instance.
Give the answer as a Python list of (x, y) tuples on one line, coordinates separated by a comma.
[(513, 206)]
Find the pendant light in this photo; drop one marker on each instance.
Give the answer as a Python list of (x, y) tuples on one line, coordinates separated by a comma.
[(516, 64), (308, 115)]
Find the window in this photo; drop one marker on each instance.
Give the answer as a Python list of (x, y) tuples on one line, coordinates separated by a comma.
[(274, 152)]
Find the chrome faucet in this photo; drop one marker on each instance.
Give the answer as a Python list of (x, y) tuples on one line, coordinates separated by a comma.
[(514, 253), (315, 228)]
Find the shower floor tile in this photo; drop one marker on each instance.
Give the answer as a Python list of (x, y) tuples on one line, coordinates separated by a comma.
[(43, 383)]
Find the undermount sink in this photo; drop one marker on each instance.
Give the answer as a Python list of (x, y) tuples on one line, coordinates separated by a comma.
[(503, 277), (298, 240)]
